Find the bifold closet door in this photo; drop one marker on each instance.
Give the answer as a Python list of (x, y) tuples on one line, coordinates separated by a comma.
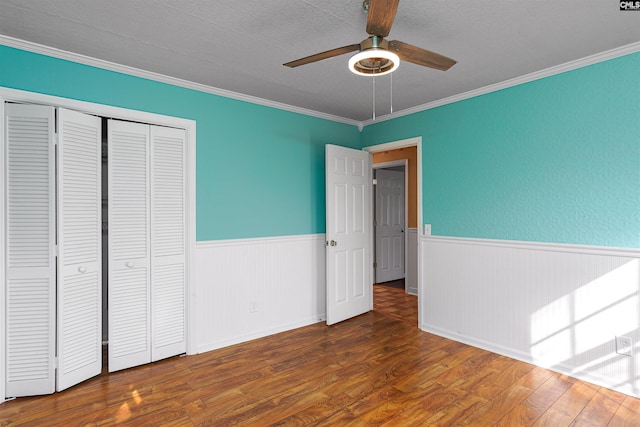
[(30, 250), (39, 284), (129, 246), (146, 243), (168, 237), (79, 248)]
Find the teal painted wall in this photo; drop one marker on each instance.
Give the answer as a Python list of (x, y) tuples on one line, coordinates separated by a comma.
[(553, 160), (259, 170)]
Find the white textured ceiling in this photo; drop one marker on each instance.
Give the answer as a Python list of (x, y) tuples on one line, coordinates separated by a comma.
[(240, 45)]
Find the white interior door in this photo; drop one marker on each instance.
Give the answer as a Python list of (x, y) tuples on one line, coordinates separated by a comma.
[(349, 233), (30, 250), (389, 225), (79, 248), (168, 237), (129, 247)]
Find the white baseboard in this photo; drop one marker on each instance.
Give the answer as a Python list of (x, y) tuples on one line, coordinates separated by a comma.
[(553, 305)]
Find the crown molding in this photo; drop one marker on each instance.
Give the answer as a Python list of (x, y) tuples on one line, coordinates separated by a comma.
[(537, 75), (111, 66), (124, 69)]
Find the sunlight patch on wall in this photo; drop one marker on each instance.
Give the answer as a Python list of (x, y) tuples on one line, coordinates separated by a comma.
[(588, 319)]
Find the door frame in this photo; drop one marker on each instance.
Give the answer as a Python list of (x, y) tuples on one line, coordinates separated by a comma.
[(393, 145), (2, 253), (387, 165), (25, 97)]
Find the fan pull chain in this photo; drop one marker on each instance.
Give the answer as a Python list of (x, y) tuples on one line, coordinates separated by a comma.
[(374, 98), (391, 92)]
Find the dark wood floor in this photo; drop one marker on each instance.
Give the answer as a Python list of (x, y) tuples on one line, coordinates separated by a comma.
[(371, 370), (400, 283), (396, 303)]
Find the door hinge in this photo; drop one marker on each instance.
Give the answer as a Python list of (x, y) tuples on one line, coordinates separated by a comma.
[(375, 265)]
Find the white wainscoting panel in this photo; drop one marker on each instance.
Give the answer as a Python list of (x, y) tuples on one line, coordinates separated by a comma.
[(251, 288), (411, 275), (556, 306)]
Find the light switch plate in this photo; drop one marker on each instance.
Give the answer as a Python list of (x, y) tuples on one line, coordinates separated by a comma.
[(427, 229)]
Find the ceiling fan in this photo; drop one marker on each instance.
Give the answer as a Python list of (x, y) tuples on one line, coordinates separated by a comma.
[(378, 56)]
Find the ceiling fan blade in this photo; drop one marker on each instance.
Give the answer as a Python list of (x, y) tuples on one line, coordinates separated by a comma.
[(420, 56), (323, 55), (380, 16)]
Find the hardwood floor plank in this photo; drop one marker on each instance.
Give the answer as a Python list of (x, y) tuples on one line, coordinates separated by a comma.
[(538, 402), (457, 411), (600, 409), (493, 410), (628, 414), (379, 407), (375, 369), (568, 406), (508, 371), (507, 399)]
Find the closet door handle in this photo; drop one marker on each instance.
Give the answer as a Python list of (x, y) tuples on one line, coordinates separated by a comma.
[(129, 264), (82, 269)]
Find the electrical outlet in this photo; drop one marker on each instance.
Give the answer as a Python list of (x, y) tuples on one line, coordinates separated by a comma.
[(623, 346), (253, 307)]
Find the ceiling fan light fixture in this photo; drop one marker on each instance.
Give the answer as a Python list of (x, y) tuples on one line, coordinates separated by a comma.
[(374, 62)]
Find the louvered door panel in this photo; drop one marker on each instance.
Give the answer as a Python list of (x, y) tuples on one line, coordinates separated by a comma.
[(129, 318), (129, 248), (30, 274), (168, 308), (168, 191), (79, 260), (168, 242)]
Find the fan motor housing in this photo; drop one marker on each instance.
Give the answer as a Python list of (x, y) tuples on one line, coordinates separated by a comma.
[(373, 63)]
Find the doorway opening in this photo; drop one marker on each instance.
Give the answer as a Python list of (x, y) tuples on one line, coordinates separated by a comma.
[(389, 221), (398, 297)]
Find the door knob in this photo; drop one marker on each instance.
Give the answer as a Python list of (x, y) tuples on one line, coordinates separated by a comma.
[(82, 269), (334, 243), (129, 264)]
